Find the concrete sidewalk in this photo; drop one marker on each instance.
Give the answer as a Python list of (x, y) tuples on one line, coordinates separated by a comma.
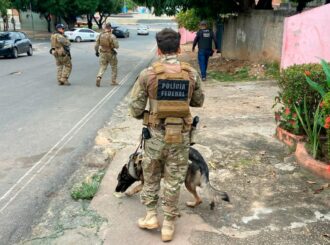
[(273, 200)]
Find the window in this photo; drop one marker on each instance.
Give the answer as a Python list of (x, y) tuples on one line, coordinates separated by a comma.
[(21, 35)]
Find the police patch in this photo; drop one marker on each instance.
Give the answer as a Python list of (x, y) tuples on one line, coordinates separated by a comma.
[(172, 89)]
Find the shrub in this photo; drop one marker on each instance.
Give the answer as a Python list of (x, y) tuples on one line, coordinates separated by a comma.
[(294, 87)]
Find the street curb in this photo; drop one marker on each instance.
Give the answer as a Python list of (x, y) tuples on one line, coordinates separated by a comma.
[(287, 137), (317, 167)]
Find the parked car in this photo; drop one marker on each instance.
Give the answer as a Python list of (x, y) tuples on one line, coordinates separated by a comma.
[(81, 34), (120, 31), (143, 30), (14, 43)]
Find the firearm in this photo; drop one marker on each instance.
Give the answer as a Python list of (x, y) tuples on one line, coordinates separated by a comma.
[(195, 121), (67, 50), (146, 133), (193, 130)]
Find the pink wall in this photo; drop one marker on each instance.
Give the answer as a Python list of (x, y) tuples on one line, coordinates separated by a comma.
[(306, 37), (186, 36)]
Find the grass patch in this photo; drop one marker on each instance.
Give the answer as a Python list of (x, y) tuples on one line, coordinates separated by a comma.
[(272, 70), (241, 74), (88, 188), (245, 72)]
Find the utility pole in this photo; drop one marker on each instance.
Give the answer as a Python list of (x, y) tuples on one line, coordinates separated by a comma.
[(32, 18)]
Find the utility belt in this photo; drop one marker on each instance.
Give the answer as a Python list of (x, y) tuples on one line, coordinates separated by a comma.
[(107, 50), (174, 127), (61, 52)]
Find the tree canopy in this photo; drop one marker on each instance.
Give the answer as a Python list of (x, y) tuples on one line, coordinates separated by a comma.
[(68, 10)]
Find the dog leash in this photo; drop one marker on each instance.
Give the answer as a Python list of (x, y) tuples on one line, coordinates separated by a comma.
[(140, 146)]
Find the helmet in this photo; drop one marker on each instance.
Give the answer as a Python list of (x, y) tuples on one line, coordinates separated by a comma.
[(108, 25), (59, 26)]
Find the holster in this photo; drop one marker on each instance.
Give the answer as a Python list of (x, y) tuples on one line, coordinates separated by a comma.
[(173, 130)]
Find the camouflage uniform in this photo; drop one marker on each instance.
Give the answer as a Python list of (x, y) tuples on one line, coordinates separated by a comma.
[(107, 53), (60, 45), (172, 159)]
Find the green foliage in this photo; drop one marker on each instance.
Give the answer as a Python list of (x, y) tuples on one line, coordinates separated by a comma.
[(188, 19), (88, 188), (294, 87), (204, 8), (312, 127), (241, 74), (272, 70), (4, 5)]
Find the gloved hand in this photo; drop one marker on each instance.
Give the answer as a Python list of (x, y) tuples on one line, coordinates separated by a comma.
[(97, 54)]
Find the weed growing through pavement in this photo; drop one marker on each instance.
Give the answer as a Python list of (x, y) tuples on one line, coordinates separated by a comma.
[(88, 188)]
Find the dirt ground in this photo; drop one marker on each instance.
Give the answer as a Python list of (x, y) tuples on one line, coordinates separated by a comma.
[(219, 64), (273, 200)]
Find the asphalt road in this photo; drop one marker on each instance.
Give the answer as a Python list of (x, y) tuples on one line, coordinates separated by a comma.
[(45, 128)]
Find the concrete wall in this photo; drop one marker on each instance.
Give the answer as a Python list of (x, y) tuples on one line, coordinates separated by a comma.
[(186, 36), (39, 22), (307, 37), (255, 36)]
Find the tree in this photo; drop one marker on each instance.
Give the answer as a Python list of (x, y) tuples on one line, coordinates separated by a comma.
[(4, 5), (105, 8)]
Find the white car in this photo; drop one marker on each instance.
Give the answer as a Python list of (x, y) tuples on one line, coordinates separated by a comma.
[(81, 34), (143, 30)]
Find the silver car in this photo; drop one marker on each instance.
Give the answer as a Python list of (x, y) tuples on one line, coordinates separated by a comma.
[(81, 34), (143, 30)]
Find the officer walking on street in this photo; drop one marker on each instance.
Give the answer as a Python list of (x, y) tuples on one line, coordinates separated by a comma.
[(60, 49), (105, 46), (204, 39), (170, 87)]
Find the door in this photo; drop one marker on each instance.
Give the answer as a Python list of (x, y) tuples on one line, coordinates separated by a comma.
[(18, 43), (91, 34), (25, 42)]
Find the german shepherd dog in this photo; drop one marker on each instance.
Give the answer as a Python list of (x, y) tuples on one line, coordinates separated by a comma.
[(197, 175)]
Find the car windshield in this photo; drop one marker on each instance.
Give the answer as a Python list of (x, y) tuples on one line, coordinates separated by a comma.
[(143, 27), (4, 36), (73, 29)]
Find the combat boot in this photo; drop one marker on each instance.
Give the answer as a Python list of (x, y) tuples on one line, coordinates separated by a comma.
[(167, 230), (98, 81), (114, 83), (150, 221)]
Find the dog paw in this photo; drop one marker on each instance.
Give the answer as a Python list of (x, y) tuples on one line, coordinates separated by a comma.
[(129, 193), (118, 194), (191, 204)]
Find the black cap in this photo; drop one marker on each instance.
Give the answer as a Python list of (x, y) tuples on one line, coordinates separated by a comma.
[(203, 23), (108, 25), (59, 26)]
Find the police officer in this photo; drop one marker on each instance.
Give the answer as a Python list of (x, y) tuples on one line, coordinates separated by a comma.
[(170, 87), (105, 46), (204, 39), (60, 48)]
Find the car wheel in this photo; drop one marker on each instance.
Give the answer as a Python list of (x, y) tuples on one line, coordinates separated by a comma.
[(78, 39), (15, 53), (30, 51)]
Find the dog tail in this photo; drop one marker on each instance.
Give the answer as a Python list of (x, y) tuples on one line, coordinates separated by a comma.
[(214, 195)]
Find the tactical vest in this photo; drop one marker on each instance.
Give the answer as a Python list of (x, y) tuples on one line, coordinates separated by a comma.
[(59, 50), (54, 42), (171, 93), (205, 39), (106, 41)]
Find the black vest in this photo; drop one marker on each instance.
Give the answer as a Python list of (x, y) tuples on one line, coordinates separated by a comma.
[(205, 39)]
